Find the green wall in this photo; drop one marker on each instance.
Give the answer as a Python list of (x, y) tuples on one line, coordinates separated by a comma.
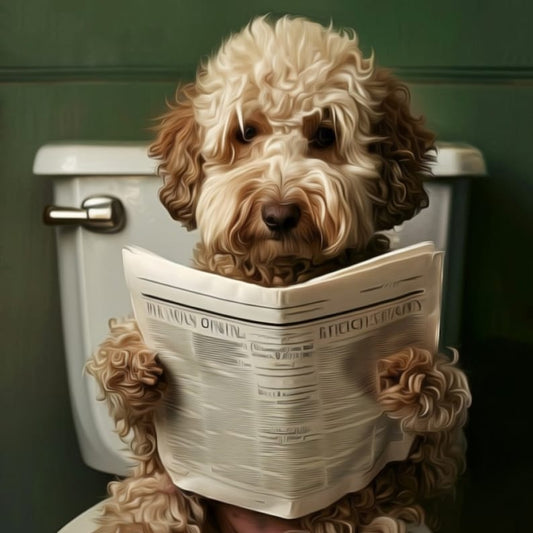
[(101, 70)]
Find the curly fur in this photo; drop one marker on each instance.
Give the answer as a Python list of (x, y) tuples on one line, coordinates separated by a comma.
[(280, 84)]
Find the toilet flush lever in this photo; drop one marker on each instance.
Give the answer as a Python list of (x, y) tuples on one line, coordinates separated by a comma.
[(103, 214)]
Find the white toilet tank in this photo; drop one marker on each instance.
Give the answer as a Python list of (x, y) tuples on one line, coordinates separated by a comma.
[(90, 261)]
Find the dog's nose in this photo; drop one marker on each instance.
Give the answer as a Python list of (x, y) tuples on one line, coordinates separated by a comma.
[(280, 217)]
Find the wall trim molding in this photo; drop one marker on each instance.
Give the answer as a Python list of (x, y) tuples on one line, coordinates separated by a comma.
[(94, 74), (466, 75), (421, 74)]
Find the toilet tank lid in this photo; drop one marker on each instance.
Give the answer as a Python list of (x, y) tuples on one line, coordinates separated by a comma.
[(131, 158), (94, 159)]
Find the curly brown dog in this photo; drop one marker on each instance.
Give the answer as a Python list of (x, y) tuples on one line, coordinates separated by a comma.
[(288, 153)]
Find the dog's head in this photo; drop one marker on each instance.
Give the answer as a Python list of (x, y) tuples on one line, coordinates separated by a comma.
[(289, 149)]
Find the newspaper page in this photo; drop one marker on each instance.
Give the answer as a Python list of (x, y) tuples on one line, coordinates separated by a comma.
[(271, 403)]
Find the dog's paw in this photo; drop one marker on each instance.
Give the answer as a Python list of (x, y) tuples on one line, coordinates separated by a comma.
[(426, 391), (123, 360), (145, 368)]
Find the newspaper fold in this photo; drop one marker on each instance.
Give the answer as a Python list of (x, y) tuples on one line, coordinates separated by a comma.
[(271, 400)]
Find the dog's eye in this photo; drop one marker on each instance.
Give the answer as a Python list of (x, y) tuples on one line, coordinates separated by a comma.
[(246, 134), (324, 137)]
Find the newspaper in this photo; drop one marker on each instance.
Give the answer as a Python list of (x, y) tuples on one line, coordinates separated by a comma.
[(271, 403)]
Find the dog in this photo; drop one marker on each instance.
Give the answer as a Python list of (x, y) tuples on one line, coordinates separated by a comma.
[(290, 153)]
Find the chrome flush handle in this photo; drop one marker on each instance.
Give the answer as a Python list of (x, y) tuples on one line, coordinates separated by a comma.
[(103, 214)]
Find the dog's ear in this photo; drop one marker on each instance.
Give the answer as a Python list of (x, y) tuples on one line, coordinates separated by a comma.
[(177, 146), (404, 149)]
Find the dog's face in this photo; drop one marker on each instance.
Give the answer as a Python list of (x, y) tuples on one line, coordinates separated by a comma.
[(289, 149)]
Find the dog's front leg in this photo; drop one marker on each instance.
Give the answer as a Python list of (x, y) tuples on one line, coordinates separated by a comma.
[(430, 396), (130, 379)]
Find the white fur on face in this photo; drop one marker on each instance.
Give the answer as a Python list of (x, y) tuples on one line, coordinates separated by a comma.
[(335, 210), (285, 80)]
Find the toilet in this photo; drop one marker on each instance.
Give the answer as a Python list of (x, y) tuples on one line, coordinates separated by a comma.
[(105, 197)]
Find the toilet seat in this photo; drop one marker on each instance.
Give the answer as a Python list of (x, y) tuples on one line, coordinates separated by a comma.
[(85, 522)]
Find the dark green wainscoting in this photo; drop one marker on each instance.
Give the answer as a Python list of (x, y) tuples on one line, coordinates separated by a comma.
[(73, 70)]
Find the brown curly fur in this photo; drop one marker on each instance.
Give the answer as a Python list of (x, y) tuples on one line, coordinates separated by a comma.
[(427, 392)]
